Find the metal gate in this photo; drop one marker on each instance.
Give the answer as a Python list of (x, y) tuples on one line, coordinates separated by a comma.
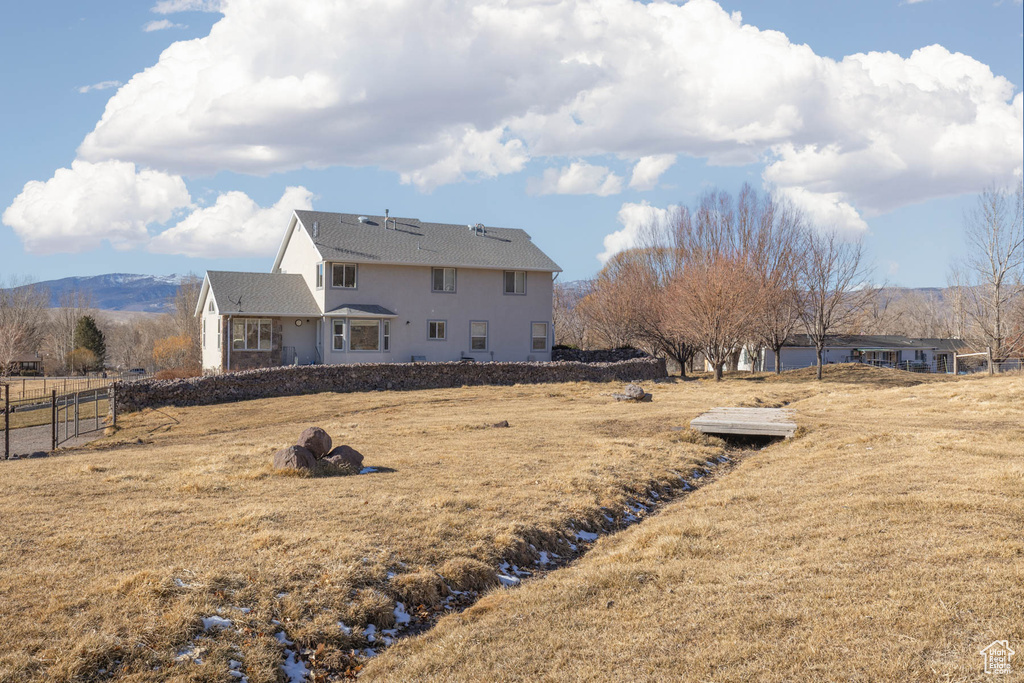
[(34, 426)]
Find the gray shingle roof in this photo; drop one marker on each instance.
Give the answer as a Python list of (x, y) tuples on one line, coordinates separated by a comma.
[(261, 293), (342, 237), (350, 310)]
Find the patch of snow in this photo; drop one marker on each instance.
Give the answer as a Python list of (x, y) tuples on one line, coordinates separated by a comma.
[(282, 638), (586, 535), (543, 558), (347, 630), (401, 616), (216, 623), (610, 520), (369, 654), (234, 664), (367, 470), (243, 610), (370, 632), (294, 668), (188, 655), (572, 547), (508, 580), (181, 584), (282, 595)]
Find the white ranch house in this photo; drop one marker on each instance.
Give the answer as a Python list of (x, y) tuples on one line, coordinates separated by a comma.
[(346, 288), (892, 351)]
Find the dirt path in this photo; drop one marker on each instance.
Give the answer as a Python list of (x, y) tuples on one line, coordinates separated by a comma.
[(31, 440)]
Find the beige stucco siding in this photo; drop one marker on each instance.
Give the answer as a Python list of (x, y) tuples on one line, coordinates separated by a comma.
[(479, 296)]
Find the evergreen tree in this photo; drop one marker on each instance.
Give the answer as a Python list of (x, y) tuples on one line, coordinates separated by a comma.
[(89, 336)]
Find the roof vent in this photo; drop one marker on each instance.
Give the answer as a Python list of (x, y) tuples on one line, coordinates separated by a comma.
[(316, 228), (364, 219), (477, 229)]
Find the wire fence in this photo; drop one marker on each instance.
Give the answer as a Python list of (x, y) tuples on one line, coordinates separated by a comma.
[(34, 426), (42, 387)]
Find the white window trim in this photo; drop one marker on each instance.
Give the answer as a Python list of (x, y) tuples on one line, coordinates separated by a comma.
[(455, 280), (444, 336), (487, 336), (245, 322), (375, 321), (533, 336), (338, 322), (355, 277), (513, 292), (320, 271)]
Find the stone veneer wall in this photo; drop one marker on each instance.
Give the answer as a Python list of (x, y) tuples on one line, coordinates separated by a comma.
[(312, 379), (251, 360), (597, 355)]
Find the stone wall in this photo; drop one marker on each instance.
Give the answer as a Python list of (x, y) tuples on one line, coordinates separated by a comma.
[(597, 355), (312, 379), (251, 360)]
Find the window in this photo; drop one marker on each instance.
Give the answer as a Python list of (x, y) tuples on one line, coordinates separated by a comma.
[(218, 334), (211, 305), (478, 336), (443, 279), (319, 276), (204, 333), (436, 329), (339, 335), (540, 336), (344, 275), (250, 334), (386, 336), (515, 282), (364, 335)]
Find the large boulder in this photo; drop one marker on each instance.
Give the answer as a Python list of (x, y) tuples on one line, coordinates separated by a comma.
[(634, 391), (294, 458), (345, 456), (316, 441)]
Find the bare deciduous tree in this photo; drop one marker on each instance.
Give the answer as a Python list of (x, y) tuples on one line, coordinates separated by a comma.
[(186, 322), (570, 325), (22, 319), (833, 287), (993, 279), (60, 337)]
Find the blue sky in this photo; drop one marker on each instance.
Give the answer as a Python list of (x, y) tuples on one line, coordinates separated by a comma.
[(574, 121)]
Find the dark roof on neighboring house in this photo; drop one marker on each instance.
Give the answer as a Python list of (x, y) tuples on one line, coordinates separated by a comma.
[(261, 294), (878, 341), (27, 358), (343, 237)]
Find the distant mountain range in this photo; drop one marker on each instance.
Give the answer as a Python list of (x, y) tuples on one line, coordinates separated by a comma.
[(119, 291)]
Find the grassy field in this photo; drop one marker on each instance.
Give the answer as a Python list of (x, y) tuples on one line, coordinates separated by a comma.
[(882, 543), (886, 543)]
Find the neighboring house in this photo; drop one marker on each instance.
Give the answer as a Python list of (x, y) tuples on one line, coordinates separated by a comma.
[(26, 364), (892, 351), (346, 288)]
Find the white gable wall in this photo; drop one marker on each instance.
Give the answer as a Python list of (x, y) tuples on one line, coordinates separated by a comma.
[(300, 256)]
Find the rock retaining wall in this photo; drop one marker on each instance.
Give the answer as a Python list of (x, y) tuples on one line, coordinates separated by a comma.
[(313, 379), (597, 355)]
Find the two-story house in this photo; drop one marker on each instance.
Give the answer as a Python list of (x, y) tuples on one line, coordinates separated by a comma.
[(346, 288)]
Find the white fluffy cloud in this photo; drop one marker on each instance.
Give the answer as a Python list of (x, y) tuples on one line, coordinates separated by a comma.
[(160, 25), (477, 88), (579, 177), (635, 219), (102, 85), (175, 6), (82, 206), (234, 226), (649, 169)]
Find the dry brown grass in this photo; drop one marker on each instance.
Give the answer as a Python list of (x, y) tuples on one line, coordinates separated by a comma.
[(111, 555), (884, 544)]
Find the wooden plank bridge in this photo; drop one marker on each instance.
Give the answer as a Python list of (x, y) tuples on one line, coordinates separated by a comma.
[(746, 421)]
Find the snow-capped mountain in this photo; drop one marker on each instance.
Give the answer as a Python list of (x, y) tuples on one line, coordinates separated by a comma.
[(119, 291)]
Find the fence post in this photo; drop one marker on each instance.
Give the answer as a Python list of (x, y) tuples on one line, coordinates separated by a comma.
[(988, 355), (77, 415), (111, 395), (53, 416), (7, 421)]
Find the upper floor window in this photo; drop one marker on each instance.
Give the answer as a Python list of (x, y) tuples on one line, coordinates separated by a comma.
[(344, 275), (251, 334), (211, 305), (443, 279), (515, 282), (319, 276), (540, 336)]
